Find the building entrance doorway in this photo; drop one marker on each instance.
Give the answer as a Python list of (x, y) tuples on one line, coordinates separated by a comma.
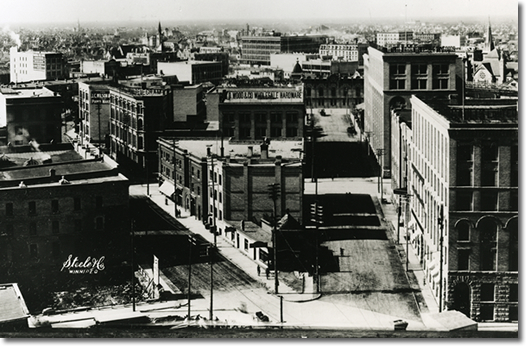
[(461, 299)]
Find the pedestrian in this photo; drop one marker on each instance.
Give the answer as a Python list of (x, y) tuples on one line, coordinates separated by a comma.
[(267, 271), (259, 270)]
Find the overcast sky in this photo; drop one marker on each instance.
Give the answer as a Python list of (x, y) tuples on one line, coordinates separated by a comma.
[(13, 12)]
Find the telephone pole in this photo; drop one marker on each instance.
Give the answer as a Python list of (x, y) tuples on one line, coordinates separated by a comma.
[(380, 153), (273, 190), (212, 248), (317, 217)]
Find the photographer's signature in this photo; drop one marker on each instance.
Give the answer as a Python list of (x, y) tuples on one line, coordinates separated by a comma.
[(88, 266)]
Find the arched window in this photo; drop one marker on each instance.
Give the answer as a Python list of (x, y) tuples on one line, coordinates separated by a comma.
[(462, 228), (488, 243)]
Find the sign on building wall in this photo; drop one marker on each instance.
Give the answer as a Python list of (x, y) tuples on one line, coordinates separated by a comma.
[(100, 97), (155, 271)]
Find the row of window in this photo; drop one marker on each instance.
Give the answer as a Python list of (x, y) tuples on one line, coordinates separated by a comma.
[(489, 168), (488, 201), (488, 233), (34, 228), (54, 207), (487, 302)]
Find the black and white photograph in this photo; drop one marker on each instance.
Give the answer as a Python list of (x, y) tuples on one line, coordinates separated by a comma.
[(284, 169)]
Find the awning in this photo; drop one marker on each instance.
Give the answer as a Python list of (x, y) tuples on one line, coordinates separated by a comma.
[(167, 188), (258, 244)]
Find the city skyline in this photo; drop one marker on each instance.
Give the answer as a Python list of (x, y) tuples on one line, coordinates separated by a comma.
[(60, 11)]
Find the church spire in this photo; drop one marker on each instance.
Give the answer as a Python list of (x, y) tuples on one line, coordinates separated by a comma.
[(160, 30), (489, 38)]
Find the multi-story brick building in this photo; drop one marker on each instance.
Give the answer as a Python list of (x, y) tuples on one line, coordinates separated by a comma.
[(463, 172), (248, 114), (230, 192), (210, 185), (33, 66), (94, 113), (71, 206), (31, 115), (140, 110), (335, 91), (390, 78), (257, 49)]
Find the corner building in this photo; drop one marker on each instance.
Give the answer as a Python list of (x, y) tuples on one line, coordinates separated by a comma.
[(463, 174)]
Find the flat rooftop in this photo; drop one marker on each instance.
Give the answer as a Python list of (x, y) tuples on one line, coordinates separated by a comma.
[(286, 149), (63, 169), (10, 93), (499, 113), (12, 303)]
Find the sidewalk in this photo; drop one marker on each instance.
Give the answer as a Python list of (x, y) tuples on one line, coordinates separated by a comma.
[(391, 215), (223, 246)]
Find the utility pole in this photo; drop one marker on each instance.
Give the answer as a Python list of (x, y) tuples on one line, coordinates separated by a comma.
[(398, 225), (380, 153), (273, 190), (174, 175), (192, 242), (317, 218), (133, 263), (211, 249), (441, 225), (406, 201)]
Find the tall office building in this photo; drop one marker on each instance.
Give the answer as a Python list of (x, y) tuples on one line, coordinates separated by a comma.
[(390, 78), (463, 182)]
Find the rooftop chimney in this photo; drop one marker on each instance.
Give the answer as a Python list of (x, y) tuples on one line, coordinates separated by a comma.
[(52, 173), (250, 151)]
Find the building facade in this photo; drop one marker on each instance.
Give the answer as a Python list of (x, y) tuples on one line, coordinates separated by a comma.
[(464, 204), (335, 91), (252, 114), (140, 110), (256, 50), (193, 71), (94, 113), (183, 176), (345, 52), (50, 211), (31, 115), (390, 78), (33, 66), (385, 39)]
